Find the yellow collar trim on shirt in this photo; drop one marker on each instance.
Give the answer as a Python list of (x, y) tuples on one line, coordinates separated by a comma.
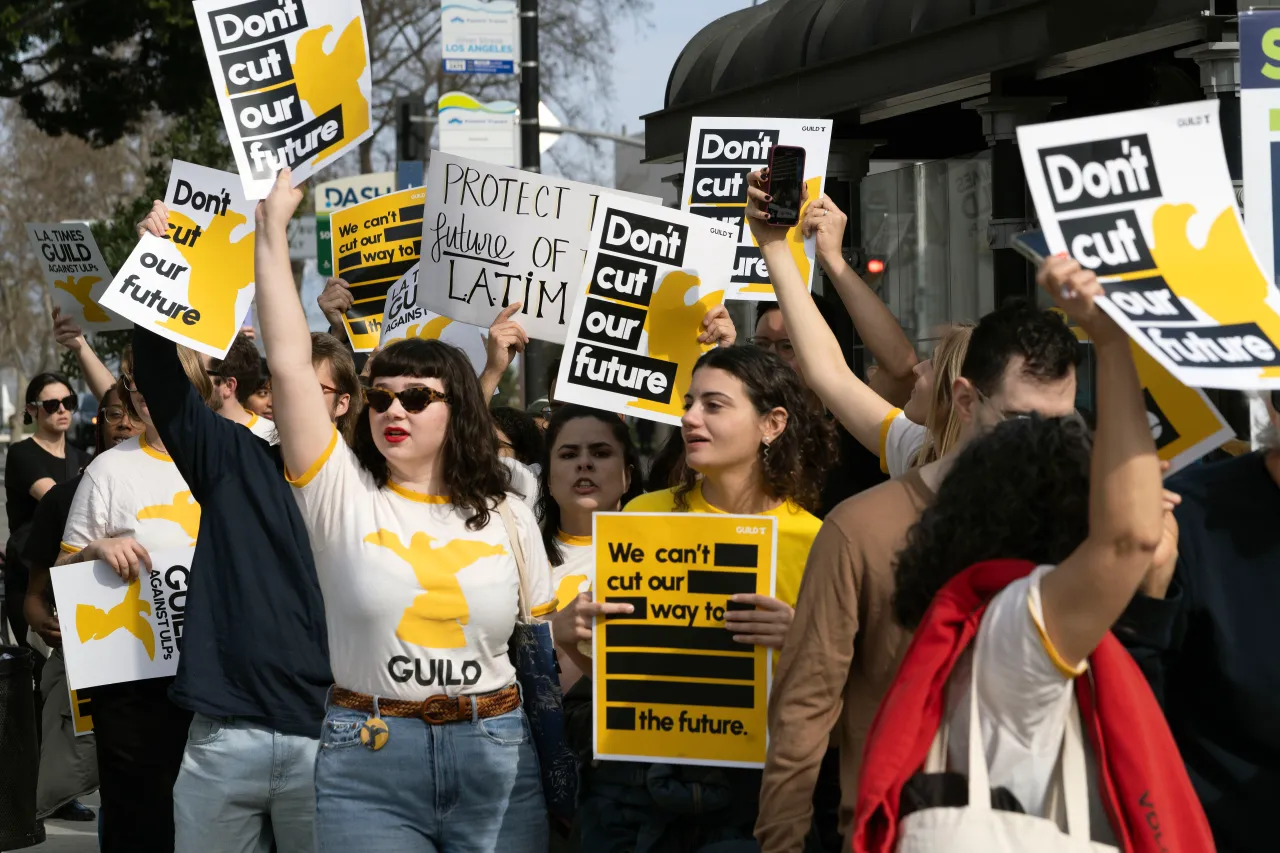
[(573, 540), (151, 451), (310, 474), (252, 420), (420, 497)]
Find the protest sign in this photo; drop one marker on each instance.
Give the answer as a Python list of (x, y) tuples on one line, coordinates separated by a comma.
[(81, 713), (195, 284), (650, 277), (493, 236), (1185, 425), (374, 243), (1260, 131), (339, 194), (75, 272), (722, 152), (114, 631), (670, 683), (402, 318), (1144, 199), (292, 79)]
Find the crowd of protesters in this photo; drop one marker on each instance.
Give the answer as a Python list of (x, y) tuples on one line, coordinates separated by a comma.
[(976, 592)]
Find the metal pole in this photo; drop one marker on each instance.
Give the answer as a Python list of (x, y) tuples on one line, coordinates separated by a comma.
[(530, 151)]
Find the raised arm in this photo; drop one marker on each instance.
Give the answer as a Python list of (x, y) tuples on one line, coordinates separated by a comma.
[(67, 333), (861, 410), (301, 416), (875, 323), (1084, 596)]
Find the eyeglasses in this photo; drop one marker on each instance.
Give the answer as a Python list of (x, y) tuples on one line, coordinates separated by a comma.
[(70, 403), (783, 348), (413, 400), (116, 414), (127, 381), (1003, 415), (326, 389)]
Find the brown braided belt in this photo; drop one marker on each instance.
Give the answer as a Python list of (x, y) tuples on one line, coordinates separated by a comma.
[(435, 710)]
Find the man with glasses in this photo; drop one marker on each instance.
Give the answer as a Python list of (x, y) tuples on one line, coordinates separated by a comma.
[(235, 377)]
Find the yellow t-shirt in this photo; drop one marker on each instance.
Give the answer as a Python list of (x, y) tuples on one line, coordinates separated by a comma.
[(796, 532)]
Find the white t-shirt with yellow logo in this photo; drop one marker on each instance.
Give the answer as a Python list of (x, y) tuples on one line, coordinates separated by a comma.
[(417, 603), (132, 490), (578, 571), (263, 428)]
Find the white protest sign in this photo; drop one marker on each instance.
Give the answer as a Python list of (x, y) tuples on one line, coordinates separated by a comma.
[(114, 632), (650, 278), (492, 236), (1144, 199), (402, 318), (292, 78), (76, 274), (195, 284), (722, 152)]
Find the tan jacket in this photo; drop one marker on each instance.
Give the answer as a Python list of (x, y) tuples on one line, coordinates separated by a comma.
[(839, 659)]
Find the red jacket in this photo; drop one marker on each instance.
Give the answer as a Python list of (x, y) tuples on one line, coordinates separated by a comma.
[(1142, 781)]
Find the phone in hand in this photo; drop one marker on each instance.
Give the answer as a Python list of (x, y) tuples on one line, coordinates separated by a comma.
[(1032, 245), (786, 184)]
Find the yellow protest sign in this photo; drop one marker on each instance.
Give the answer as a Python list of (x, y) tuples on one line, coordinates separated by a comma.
[(81, 713), (1184, 422), (374, 244), (670, 684)]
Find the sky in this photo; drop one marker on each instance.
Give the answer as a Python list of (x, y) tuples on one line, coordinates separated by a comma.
[(643, 60)]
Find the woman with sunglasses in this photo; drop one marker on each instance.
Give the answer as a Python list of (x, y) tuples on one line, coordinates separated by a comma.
[(68, 764), (132, 501), (425, 746)]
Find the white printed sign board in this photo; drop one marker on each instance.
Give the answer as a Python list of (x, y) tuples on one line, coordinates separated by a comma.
[(76, 274), (1144, 199), (492, 236), (114, 632), (195, 284), (479, 37), (293, 81), (722, 152), (650, 278), (402, 318), (481, 131)]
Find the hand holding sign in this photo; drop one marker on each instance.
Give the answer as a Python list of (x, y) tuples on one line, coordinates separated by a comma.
[(827, 222), (335, 300), (123, 554), (156, 222), (720, 330), (1074, 289), (766, 625), (506, 338), (273, 213)]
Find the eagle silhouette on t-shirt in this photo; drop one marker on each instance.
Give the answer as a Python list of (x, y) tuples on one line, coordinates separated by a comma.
[(183, 511), (434, 620)]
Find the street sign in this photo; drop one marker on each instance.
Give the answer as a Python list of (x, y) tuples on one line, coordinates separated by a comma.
[(479, 37)]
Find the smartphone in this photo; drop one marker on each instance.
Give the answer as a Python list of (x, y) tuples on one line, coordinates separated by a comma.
[(1032, 245), (786, 184)]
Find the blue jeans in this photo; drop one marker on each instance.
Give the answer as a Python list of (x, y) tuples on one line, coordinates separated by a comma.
[(244, 788), (467, 787)]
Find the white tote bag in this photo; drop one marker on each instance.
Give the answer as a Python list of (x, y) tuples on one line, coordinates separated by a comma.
[(978, 828)]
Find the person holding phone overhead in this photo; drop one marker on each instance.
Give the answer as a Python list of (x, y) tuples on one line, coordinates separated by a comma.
[(425, 745)]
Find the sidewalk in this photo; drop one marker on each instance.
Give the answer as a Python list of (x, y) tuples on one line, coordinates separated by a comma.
[(70, 837)]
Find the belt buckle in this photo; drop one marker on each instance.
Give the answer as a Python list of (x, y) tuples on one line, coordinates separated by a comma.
[(439, 709)]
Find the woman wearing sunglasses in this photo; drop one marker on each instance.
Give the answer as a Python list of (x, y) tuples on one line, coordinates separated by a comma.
[(425, 746), (132, 501)]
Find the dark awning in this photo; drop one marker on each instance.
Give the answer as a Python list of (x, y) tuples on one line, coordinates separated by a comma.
[(822, 58)]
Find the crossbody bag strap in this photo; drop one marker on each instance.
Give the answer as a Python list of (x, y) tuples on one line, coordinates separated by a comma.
[(517, 551)]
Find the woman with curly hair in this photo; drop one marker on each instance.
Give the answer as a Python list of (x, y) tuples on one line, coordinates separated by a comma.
[(1011, 582), (424, 745), (753, 446)]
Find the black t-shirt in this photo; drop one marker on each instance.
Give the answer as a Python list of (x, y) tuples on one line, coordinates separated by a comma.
[(1207, 648), (254, 643), (26, 464), (44, 537)]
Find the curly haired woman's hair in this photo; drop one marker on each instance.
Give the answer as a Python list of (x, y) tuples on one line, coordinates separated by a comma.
[(526, 440), (475, 478), (548, 510), (796, 465), (1019, 492)]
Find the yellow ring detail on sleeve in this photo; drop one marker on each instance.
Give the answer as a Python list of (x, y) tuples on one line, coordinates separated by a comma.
[(310, 473), (884, 438), (1067, 670), (68, 549), (544, 609)]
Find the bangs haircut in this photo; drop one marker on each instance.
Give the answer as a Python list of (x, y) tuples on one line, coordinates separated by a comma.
[(474, 476)]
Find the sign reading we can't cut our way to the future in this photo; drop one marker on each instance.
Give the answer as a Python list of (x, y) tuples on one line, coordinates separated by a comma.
[(670, 682), (1145, 200), (195, 284)]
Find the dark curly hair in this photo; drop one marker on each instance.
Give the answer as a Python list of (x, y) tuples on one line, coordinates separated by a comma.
[(548, 510), (474, 476), (1042, 338), (1019, 492), (797, 463), (523, 433)]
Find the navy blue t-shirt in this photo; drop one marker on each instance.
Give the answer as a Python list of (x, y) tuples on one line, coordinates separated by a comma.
[(254, 642), (1208, 647)]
